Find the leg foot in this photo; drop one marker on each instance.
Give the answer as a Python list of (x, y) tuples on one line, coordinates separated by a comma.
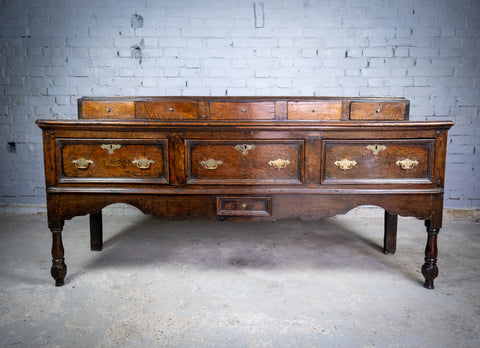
[(390, 233), (59, 268), (96, 231), (429, 268), (59, 271)]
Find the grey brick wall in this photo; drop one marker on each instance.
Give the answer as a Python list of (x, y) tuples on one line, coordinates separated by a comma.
[(53, 51)]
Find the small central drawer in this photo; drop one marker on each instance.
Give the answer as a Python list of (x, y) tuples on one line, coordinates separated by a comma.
[(242, 111), (244, 206), (244, 162), (114, 160)]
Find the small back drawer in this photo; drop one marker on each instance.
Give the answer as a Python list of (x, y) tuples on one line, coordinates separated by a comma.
[(242, 111), (107, 109), (168, 110), (322, 110), (378, 110)]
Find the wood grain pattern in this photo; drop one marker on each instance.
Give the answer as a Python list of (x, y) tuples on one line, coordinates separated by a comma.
[(381, 168), (239, 168), (119, 164), (108, 110), (242, 110), (172, 110), (321, 110), (377, 111)]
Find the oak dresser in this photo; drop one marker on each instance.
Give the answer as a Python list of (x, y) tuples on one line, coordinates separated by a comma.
[(245, 158)]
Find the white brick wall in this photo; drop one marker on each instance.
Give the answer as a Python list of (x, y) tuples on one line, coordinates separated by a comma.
[(54, 51)]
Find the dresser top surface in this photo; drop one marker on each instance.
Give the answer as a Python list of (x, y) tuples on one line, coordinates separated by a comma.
[(235, 125)]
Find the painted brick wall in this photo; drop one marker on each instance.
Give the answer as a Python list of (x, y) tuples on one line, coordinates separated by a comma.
[(54, 51)]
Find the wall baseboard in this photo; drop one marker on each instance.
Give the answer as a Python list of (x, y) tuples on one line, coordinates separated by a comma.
[(372, 212)]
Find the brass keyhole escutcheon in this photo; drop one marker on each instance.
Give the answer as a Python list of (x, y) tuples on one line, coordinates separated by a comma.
[(376, 149), (244, 148), (110, 148)]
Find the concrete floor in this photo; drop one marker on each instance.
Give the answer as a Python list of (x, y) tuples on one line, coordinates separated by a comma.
[(199, 283)]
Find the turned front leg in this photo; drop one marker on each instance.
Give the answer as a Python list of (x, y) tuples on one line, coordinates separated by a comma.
[(59, 268), (429, 268)]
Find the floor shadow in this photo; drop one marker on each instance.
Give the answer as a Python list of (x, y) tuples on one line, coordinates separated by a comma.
[(206, 244)]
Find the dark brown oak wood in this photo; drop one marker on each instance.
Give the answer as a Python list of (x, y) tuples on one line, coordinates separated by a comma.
[(377, 110), (390, 233), (96, 231), (245, 158)]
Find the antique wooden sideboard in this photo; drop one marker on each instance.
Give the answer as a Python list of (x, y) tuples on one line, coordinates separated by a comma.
[(245, 158)]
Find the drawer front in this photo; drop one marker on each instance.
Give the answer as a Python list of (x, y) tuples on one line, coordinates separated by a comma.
[(377, 111), (168, 110), (245, 162), (323, 110), (377, 161), (242, 111), (108, 109), (116, 160), (244, 206)]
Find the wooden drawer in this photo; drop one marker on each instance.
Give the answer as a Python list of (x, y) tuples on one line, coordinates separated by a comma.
[(107, 109), (242, 111), (322, 110), (377, 111), (168, 110), (377, 161), (245, 162), (114, 160), (244, 206)]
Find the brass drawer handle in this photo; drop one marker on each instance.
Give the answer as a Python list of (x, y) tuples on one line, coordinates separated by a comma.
[(244, 148), (376, 149), (346, 164), (407, 164), (110, 148), (107, 109), (143, 163), (211, 164), (243, 110), (82, 163), (279, 163)]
